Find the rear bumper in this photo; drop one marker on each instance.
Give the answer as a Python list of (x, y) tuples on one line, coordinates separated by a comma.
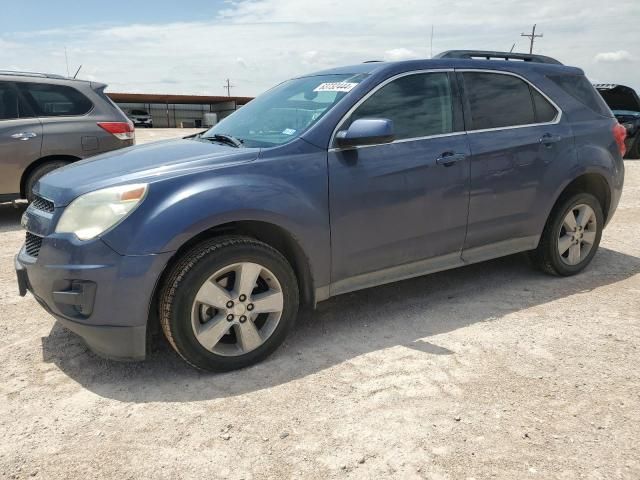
[(91, 290)]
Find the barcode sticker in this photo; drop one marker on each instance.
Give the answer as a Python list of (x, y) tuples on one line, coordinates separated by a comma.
[(335, 87)]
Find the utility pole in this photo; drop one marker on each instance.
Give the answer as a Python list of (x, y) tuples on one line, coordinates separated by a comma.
[(532, 36), (228, 87)]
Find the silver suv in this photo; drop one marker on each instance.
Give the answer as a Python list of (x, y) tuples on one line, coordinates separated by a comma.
[(48, 121)]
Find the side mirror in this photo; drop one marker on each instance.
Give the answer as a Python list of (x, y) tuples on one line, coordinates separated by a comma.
[(366, 131)]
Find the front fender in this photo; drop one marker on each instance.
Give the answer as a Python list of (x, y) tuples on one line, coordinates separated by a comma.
[(176, 210)]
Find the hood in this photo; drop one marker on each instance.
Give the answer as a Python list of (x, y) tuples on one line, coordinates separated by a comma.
[(142, 164), (619, 97)]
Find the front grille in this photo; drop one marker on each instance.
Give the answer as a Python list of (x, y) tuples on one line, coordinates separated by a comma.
[(32, 244), (43, 204)]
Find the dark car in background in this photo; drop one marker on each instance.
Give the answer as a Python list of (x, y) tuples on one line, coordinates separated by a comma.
[(625, 104), (48, 121), (140, 118)]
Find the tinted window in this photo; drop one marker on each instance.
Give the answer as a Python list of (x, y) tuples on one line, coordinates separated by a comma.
[(579, 88), (419, 105), (55, 100), (545, 112), (497, 101), (8, 102)]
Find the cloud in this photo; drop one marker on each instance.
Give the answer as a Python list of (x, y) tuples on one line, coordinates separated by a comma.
[(397, 54), (258, 43), (617, 56)]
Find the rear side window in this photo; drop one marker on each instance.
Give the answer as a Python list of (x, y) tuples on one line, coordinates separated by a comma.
[(12, 105), (419, 105), (545, 112), (581, 89), (8, 102), (497, 101), (55, 100)]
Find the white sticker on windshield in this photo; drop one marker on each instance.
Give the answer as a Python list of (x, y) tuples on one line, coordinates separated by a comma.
[(335, 87), (288, 131)]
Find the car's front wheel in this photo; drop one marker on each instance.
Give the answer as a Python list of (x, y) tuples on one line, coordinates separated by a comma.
[(571, 236), (228, 303)]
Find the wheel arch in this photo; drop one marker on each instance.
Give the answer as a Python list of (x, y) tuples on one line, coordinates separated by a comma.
[(37, 163), (269, 233), (589, 182)]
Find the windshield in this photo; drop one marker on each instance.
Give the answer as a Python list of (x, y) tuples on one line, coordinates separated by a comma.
[(284, 112)]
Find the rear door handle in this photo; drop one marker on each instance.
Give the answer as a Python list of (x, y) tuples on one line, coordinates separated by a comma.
[(24, 135), (549, 139), (449, 158)]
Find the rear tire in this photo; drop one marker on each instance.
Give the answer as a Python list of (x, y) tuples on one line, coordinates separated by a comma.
[(39, 172), (571, 236), (634, 151), (228, 303)]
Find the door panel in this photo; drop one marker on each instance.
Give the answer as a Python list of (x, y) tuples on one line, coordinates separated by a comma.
[(520, 150), (20, 139), (512, 175), (393, 204), (400, 209)]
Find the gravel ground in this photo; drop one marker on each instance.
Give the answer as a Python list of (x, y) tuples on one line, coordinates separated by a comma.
[(488, 371)]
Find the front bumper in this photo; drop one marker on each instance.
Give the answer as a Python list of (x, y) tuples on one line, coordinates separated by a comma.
[(93, 291)]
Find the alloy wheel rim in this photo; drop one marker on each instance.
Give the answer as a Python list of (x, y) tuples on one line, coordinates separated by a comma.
[(237, 309), (577, 234)]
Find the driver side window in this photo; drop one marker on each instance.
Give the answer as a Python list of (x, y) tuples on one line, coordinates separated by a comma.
[(420, 105)]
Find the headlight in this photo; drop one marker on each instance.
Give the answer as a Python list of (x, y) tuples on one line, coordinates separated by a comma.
[(93, 213)]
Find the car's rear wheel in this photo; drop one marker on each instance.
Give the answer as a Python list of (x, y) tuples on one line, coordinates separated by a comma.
[(39, 172), (228, 303), (571, 236)]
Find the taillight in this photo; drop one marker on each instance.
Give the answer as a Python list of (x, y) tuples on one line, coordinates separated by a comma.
[(619, 134), (121, 130)]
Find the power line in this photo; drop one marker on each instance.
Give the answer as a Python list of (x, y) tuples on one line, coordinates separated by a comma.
[(228, 87), (532, 36)]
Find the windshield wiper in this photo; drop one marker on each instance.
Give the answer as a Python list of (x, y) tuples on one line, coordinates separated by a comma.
[(225, 138)]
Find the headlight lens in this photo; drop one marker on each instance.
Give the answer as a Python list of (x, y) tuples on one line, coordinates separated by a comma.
[(95, 212)]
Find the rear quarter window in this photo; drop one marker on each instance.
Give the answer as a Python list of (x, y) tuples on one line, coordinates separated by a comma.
[(581, 89), (55, 100)]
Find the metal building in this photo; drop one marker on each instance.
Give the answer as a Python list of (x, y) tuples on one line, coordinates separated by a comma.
[(186, 111)]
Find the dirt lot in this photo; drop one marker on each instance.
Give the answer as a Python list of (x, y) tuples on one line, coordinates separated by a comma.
[(489, 371)]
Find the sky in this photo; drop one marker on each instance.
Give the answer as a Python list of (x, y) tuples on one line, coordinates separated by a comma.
[(192, 47)]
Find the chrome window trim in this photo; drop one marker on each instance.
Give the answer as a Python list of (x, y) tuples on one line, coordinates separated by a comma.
[(556, 120), (372, 92)]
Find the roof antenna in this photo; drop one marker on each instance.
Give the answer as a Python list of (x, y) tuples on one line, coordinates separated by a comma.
[(66, 59), (77, 71), (512, 47), (431, 43)]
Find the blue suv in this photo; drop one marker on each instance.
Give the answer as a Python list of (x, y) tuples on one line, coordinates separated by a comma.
[(327, 183)]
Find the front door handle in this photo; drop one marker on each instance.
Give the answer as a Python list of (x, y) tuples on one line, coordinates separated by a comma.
[(24, 135), (549, 139), (449, 158)]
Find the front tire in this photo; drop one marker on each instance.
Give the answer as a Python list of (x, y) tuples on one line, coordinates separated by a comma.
[(571, 236), (228, 303), (38, 173)]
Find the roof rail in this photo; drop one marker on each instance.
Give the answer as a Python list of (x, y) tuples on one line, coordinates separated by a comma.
[(31, 74), (489, 55)]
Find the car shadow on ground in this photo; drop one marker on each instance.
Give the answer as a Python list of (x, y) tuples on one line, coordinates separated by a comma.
[(405, 314)]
